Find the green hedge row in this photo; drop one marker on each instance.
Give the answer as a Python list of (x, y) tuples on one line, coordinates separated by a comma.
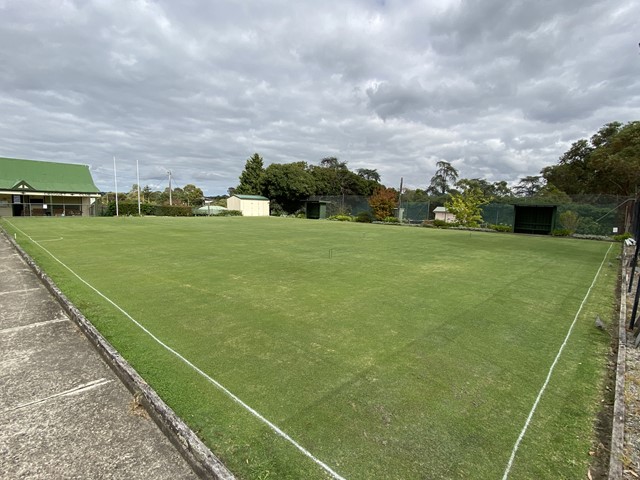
[(130, 208)]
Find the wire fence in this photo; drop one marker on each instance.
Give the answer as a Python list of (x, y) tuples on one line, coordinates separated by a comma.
[(591, 214)]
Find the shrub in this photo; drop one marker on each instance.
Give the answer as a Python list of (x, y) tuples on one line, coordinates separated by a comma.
[(444, 224), (172, 211), (364, 217), (569, 220), (341, 218), (561, 232), (275, 209), (391, 220), (128, 208), (501, 228), (229, 213), (622, 237), (588, 226)]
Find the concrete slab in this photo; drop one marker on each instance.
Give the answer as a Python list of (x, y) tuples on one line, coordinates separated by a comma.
[(63, 411)]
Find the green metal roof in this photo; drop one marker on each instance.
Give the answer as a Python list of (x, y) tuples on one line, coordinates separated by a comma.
[(251, 197), (30, 175)]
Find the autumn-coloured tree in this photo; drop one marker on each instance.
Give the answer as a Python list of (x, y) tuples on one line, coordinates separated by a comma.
[(383, 201)]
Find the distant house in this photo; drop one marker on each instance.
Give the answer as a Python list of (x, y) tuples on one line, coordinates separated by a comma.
[(441, 213), (249, 205), (33, 188)]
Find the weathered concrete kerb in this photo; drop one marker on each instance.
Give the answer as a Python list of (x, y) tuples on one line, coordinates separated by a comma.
[(201, 459)]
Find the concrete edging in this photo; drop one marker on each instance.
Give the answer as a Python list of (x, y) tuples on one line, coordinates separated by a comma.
[(204, 463), (616, 468)]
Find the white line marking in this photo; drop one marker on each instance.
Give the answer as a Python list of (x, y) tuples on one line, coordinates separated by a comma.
[(553, 366), (32, 325), (67, 393), (236, 399), (24, 290)]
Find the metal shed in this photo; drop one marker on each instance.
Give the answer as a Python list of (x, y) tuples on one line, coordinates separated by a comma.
[(535, 219), (249, 205)]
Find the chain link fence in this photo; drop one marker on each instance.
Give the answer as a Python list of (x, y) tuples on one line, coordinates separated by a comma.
[(593, 214)]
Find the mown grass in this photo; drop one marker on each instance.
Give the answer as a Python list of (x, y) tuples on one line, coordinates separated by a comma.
[(386, 352)]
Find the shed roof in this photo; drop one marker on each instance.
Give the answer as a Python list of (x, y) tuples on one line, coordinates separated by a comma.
[(210, 208), (251, 197), (440, 209), (28, 175)]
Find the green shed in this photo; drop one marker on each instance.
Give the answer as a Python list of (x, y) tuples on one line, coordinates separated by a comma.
[(316, 209), (536, 219)]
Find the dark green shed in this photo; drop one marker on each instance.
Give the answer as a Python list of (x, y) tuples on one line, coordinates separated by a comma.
[(316, 209), (537, 219)]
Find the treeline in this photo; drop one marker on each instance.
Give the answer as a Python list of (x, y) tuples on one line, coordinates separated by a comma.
[(287, 185), (187, 196)]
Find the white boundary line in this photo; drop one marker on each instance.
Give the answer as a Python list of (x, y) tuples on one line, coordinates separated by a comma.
[(553, 366), (236, 399)]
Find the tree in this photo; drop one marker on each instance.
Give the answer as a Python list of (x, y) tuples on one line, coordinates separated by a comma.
[(570, 220), (288, 184), (466, 206), (528, 186), (481, 184), (445, 174), (132, 196), (193, 195), (369, 174), (501, 189), (383, 201), (146, 193), (608, 163), (252, 177), (574, 171)]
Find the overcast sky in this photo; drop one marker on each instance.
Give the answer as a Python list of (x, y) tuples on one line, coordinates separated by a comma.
[(498, 88)]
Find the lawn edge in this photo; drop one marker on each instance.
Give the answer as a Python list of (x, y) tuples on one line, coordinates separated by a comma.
[(203, 462), (617, 429)]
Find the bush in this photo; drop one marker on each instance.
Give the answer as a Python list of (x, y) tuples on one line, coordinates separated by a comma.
[(229, 213), (569, 220), (364, 217), (341, 218), (501, 228), (561, 232), (391, 220), (172, 211), (588, 226), (131, 208), (622, 237), (444, 224), (275, 209)]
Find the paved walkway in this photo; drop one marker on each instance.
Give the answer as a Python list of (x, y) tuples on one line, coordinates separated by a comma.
[(63, 412)]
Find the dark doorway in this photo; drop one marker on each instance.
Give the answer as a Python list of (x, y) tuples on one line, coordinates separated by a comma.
[(536, 219), (18, 208)]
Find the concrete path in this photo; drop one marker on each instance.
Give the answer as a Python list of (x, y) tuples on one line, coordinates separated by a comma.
[(63, 412)]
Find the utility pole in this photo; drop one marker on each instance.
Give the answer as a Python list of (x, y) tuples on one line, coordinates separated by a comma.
[(170, 202)]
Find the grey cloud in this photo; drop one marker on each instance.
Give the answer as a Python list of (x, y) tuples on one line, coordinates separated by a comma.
[(500, 90)]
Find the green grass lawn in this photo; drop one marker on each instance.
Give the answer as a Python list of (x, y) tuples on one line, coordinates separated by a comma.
[(387, 352)]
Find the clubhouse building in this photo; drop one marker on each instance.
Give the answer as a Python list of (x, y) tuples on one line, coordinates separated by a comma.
[(33, 188)]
